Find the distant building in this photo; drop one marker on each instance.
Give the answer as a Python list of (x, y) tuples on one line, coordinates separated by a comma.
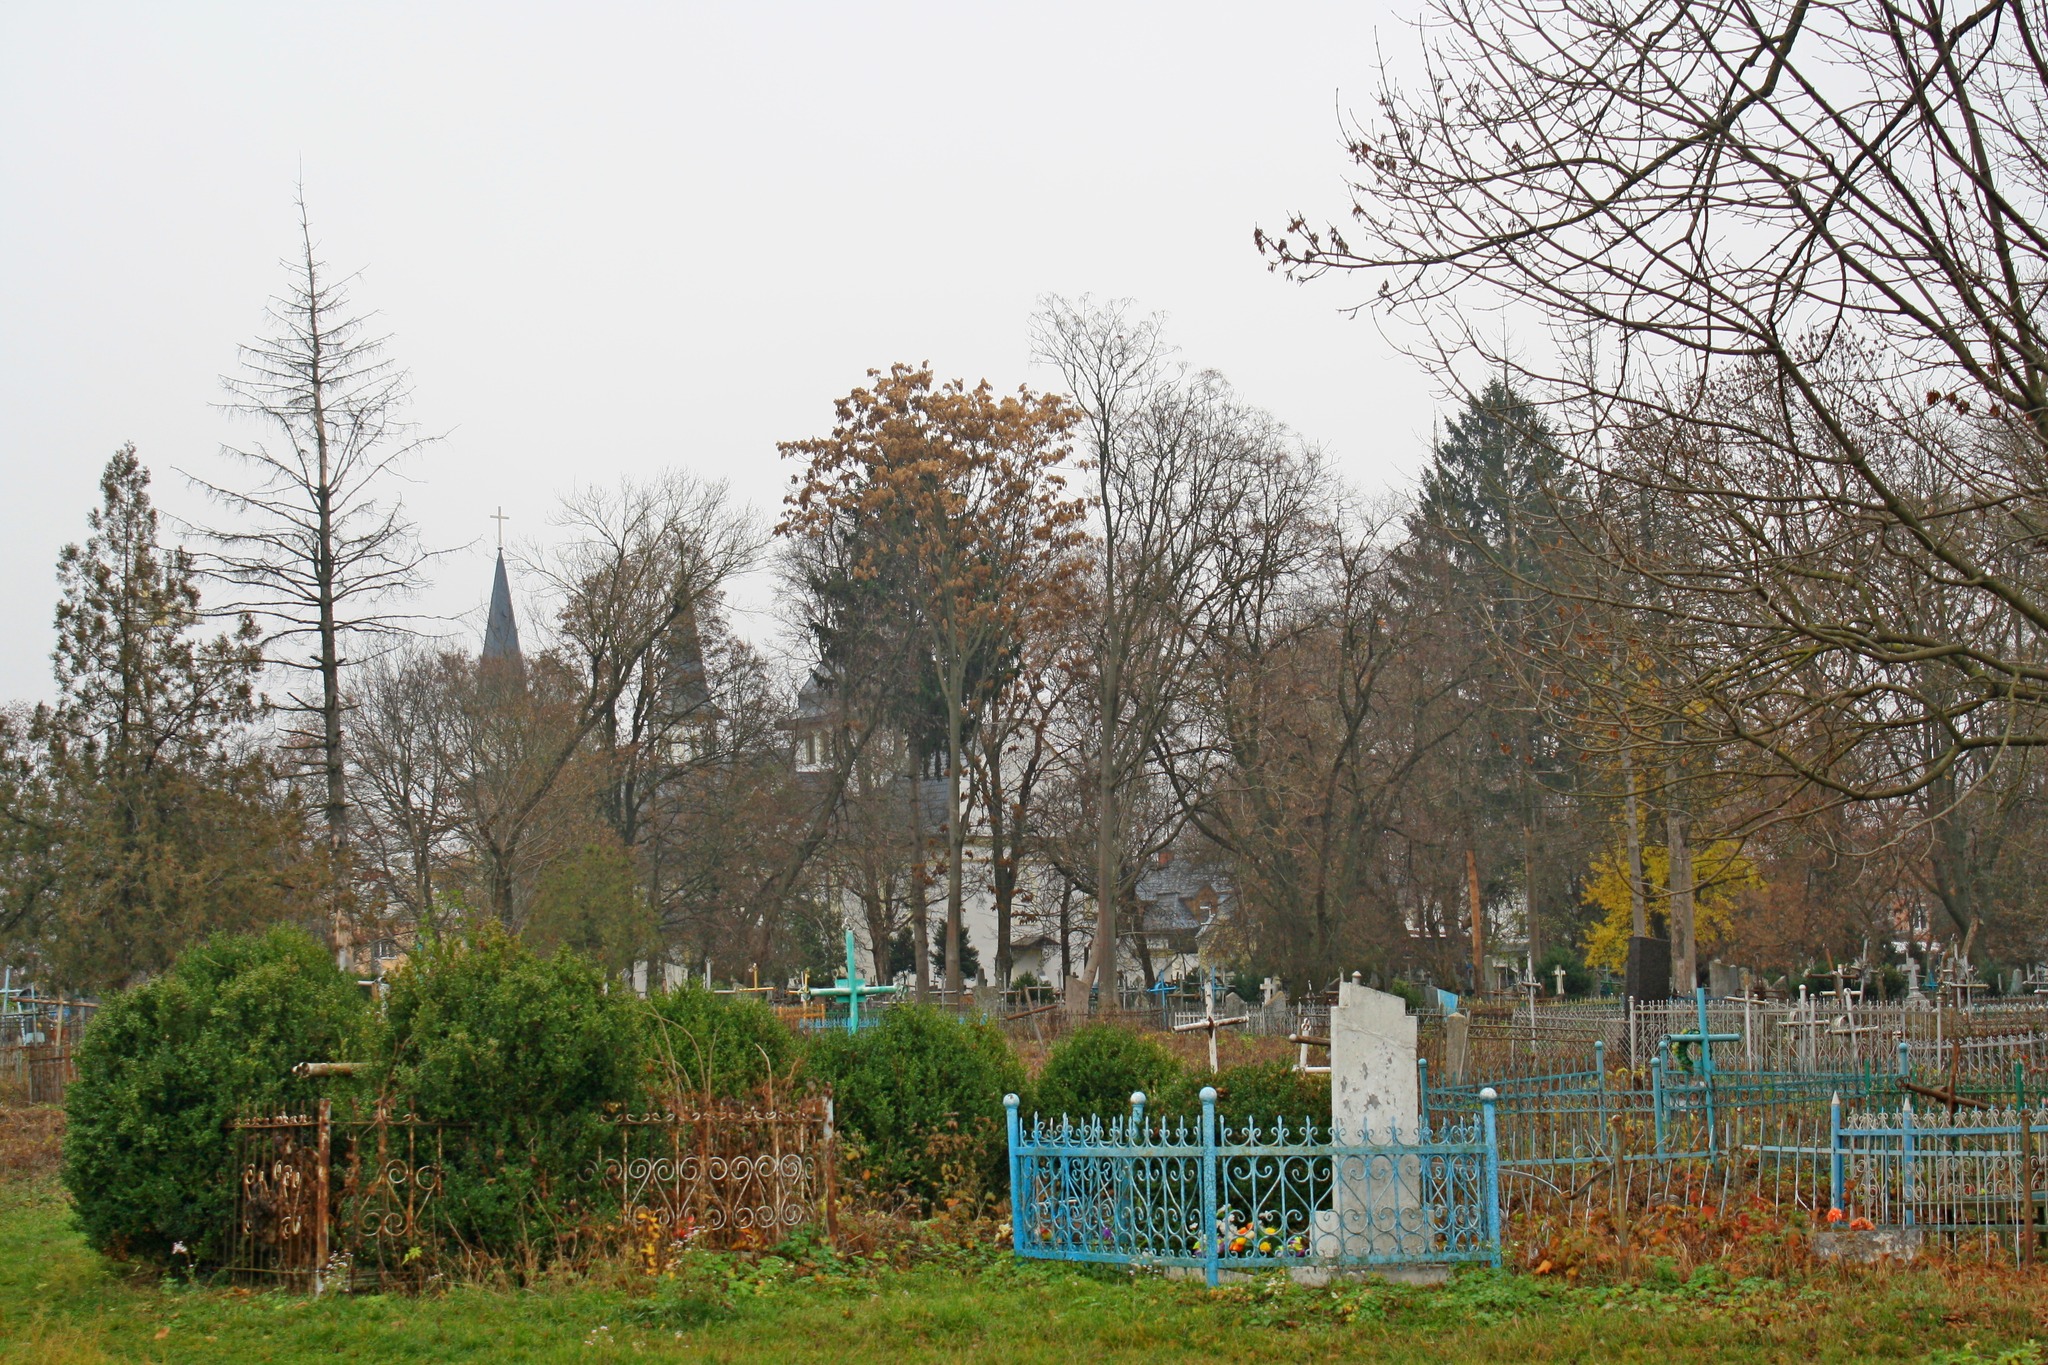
[(1181, 901)]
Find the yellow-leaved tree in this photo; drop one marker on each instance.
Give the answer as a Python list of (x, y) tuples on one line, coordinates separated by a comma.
[(1722, 871)]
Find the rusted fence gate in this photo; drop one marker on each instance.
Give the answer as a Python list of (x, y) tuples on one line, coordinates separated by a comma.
[(326, 1202), (728, 1177)]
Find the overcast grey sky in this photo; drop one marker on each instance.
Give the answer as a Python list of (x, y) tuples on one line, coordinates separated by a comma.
[(607, 239)]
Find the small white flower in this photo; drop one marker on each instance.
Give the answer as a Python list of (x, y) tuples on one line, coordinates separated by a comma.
[(178, 1249)]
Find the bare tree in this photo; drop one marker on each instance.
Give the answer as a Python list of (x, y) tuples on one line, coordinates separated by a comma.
[(635, 561), (1805, 247), (317, 546), (1167, 463), (401, 749), (1016, 751)]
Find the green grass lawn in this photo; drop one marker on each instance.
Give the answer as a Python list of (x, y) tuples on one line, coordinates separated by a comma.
[(59, 1303)]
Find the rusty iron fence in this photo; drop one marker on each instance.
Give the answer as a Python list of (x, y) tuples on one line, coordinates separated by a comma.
[(332, 1200), (726, 1177), (345, 1202)]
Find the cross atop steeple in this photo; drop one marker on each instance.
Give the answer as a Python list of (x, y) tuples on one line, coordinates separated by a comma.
[(500, 517)]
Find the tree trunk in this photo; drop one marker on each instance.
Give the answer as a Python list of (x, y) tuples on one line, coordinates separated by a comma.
[(1002, 864), (1684, 963), (1632, 813), (956, 844), (1532, 814), (1108, 843), (335, 806), (1144, 948), (920, 899), (1066, 934), (1477, 906)]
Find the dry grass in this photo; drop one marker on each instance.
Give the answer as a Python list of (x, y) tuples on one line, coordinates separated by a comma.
[(31, 1140)]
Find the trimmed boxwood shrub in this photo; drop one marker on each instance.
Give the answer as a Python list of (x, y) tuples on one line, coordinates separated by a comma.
[(1094, 1071), (162, 1068), (723, 1045), (1253, 1092), (520, 1057), (920, 1099)]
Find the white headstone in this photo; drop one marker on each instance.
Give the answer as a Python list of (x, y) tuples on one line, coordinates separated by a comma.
[(1373, 1086), (1375, 1099)]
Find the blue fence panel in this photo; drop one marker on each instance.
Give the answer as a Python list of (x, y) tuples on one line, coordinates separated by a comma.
[(1181, 1193), (1967, 1172)]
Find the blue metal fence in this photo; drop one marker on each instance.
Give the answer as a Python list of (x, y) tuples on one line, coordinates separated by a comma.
[(1964, 1173), (1199, 1194)]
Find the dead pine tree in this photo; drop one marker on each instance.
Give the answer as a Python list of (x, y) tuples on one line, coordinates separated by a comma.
[(315, 544)]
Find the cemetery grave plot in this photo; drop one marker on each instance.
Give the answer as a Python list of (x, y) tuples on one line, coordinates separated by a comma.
[(327, 1201), (1375, 1186), (1851, 1124)]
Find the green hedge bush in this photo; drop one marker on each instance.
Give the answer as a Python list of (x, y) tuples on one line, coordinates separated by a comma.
[(162, 1068), (700, 1042), (920, 1099), (1252, 1093), (521, 1057), (1094, 1071)]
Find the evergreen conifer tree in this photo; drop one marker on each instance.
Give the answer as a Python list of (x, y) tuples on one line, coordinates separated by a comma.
[(142, 812)]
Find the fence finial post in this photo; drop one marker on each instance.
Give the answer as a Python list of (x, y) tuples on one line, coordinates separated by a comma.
[(1908, 1186), (1657, 1095), (1487, 1096), (1017, 1200), (1212, 1218), (1835, 1151), (1137, 1113)]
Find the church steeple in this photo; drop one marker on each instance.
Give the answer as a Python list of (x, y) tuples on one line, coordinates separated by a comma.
[(501, 631)]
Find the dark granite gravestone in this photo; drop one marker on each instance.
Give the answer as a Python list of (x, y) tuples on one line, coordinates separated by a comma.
[(1649, 969)]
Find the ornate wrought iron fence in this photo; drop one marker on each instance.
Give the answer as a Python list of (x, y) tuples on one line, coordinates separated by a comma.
[(1961, 1177), (724, 1177), (326, 1202), (345, 1201), (1200, 1195)]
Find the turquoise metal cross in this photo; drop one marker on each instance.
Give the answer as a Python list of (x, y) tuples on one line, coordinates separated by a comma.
[(852, 987)]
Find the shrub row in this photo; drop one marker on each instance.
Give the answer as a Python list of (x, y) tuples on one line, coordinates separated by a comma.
[(521, 1057)]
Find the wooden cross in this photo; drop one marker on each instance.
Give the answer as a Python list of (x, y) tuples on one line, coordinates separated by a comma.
[(1804, 1018), (1208, 1021), (852, 987)]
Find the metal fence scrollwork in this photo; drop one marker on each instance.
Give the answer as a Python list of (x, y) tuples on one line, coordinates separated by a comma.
[(731, 1178), (324, 1202), (327, 1201), (1203, 1196)]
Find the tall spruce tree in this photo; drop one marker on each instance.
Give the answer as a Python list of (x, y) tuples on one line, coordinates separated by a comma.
[(1489, 508), (141, 811)]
